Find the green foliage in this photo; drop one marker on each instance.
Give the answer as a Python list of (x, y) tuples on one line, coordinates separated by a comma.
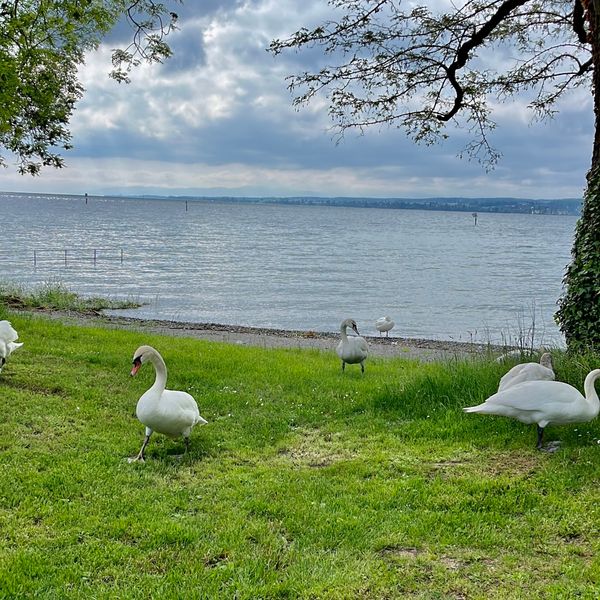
[(55, 296), (579, 308), (43, 43), (306, 482)]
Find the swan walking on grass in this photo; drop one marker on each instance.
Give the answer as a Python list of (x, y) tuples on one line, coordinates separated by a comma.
[(530, 371), (172, 413), (8, 342), (384, 324), (544, 403), (352, 349)]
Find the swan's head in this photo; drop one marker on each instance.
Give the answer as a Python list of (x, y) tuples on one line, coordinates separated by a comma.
[(350, 323), (546, 360), (140, 356)]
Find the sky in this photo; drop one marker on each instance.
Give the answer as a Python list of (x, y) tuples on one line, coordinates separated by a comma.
[(217, 120)]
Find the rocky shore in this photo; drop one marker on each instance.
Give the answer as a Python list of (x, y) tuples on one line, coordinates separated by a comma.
[(421, 349)]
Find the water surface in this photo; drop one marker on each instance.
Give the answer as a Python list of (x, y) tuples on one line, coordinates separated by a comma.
[(437, 274)]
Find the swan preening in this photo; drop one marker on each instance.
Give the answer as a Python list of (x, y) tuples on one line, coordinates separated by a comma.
[(353, 349), (544, 403), (8, 342), (170, 412), (530, 371), (384, 324)]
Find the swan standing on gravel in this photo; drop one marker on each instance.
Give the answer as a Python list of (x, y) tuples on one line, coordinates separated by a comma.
[(384, 324), (172, 413), (544, 403), (352, 349), (530, 371), (8, 343)]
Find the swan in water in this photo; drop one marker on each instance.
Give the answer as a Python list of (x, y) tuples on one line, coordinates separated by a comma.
[(170, 412), (8, 343), (352, 349), (384, 324), (544, 403), (530, 371)]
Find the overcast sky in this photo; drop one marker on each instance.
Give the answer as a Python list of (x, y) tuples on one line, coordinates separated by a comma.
[(217, 119)]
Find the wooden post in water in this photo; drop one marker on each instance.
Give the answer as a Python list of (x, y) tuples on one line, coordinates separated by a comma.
[(186, 205), (34, 259), (94, 256), (121, 255), (65, 257)]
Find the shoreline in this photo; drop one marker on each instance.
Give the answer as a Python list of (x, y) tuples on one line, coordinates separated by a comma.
[(412, 348)]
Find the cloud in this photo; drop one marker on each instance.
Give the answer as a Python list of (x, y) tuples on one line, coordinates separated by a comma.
[(217, 118)]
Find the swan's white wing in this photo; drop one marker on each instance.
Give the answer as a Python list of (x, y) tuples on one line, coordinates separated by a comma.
[(535, 395), (7, 332), (525, 372), (362, 345)]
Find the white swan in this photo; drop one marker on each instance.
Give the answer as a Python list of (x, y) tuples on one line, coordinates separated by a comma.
[(384, 324), (8, 343), (530, 371), (172, 413), (352, 349), (520, 353), (544, 403)]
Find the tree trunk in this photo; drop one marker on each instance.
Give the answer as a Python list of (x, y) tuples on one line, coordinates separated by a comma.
[(579, 308)]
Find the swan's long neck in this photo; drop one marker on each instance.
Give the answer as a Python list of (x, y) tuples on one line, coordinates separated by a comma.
[(343, 331), (161, 371), (590, 390)]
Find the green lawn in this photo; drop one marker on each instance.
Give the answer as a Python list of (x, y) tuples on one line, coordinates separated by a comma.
[(306, 483)]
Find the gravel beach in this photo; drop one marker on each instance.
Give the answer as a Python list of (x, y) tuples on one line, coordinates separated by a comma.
[(425, 350)]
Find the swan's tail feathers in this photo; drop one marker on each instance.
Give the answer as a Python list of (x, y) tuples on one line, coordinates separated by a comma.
[(200, 420), (473, 409), (12, 346)]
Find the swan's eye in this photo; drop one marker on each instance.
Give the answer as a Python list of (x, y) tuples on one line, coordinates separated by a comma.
[(2, 361), (137, 361)]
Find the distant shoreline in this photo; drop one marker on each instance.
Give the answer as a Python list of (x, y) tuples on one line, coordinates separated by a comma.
[(538, 206)]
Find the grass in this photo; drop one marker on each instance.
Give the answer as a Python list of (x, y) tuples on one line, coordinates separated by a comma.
[(56, 296), (306, 483)]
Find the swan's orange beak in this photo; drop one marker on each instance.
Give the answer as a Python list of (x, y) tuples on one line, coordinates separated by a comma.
[(137, 363)]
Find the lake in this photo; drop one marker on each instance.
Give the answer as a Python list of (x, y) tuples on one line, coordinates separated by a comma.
[(437, 274)]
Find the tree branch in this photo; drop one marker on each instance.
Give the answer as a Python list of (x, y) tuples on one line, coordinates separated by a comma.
[(462, 54)]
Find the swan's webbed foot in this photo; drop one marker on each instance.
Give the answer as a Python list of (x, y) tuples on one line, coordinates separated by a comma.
[(138, 458), (551, 447)]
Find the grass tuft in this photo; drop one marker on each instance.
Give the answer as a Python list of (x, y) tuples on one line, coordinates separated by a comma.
[(54, 296)]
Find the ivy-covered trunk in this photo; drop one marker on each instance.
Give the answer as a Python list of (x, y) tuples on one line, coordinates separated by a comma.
[(578, 315)]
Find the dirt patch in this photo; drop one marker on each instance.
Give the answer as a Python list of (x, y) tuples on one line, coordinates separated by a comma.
[(313, 448)]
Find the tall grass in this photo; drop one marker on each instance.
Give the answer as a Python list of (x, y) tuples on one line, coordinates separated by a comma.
[(55, 296), (306, 483)]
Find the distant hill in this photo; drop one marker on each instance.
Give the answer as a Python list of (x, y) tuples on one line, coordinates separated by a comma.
[(566, 206)]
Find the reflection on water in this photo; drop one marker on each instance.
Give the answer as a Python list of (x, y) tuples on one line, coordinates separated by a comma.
[(297, 267)]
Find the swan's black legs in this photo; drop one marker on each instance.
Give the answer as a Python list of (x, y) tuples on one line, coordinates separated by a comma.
[(362, 367), (540, 435), (187, 444), (140, 455), (343, 366)]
